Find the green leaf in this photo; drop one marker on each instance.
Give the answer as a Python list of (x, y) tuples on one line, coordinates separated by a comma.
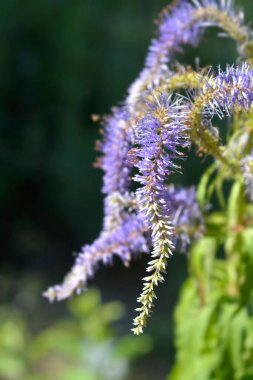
[(131, 347), (203, 185), (202, 257)]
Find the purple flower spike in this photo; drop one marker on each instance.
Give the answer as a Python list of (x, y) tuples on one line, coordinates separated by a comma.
[(159, 136), (181, 25), (230, 90), (126, 240), (175, 30), (115, 147), (185, 214), (185, 23)]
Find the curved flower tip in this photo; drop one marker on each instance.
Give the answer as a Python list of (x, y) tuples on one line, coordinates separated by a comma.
[(125, 240), (185, 22), (174, 31), (50, 294)]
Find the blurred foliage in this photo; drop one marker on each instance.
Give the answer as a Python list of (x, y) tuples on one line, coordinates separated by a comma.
[(83, 346), (214, 316)]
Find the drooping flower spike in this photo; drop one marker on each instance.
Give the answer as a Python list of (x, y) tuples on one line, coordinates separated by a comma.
[(160, 135), (131, 237), (124, 241)]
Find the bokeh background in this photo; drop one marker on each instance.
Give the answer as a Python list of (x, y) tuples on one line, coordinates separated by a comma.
[(60, 62)]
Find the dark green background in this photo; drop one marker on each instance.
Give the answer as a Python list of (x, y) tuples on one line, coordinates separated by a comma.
[(60, 62)]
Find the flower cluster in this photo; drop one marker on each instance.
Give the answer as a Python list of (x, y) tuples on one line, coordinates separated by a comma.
[(229, 90), (184, 24), (151, 133)]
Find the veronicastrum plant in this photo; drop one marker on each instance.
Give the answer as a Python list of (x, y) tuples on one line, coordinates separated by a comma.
[(169, 110)]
